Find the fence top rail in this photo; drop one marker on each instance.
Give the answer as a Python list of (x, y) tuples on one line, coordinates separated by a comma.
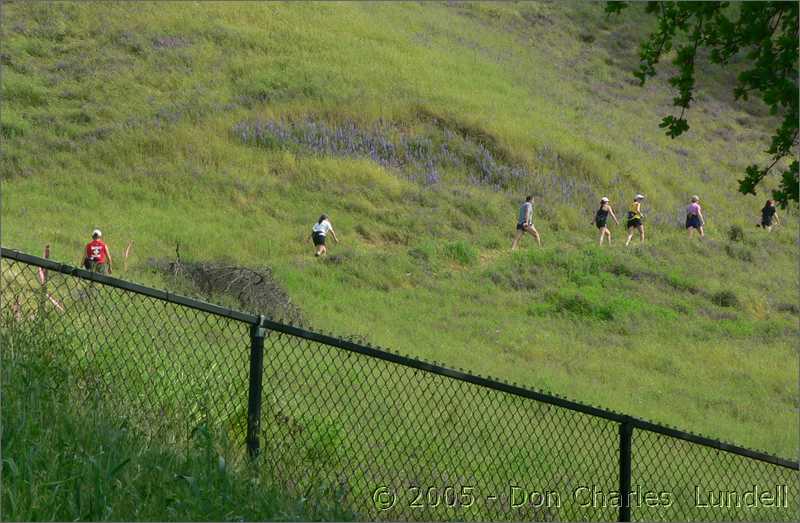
[(431, 367), (516, 390), (111, 281)]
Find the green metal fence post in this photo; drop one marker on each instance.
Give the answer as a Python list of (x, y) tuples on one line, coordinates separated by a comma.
[(625, 437), (257, 335)]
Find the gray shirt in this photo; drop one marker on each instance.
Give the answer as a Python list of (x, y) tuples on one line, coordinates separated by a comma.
[(526, 213)]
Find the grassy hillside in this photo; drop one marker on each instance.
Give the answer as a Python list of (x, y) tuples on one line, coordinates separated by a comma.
[(228, 128)]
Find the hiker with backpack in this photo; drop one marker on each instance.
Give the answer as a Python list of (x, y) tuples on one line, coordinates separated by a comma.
[(525, 223), (694, 217), (318, 233), (635, 218), (601, 219), (97, 257)]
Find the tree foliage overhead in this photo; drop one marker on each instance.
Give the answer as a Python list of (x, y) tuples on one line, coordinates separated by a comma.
[(764, 35)]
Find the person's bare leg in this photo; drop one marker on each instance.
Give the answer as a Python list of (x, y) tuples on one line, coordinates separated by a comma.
[(690, 229), (608, 232), (630, 236), (702, 232), (514, 244), (641, 233), (602, 235), (533, 232)]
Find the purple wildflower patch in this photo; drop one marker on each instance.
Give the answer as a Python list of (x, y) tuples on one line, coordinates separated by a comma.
[(169, 42), (421, 157)]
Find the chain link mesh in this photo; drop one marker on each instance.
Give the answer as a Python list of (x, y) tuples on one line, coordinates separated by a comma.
[(390, 441), (706, 484), (171, 365), (397, 441)]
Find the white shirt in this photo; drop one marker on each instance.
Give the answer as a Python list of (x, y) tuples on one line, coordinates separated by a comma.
[(323, 227)]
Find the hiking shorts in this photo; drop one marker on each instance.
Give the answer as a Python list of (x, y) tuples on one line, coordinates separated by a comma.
[(101, 268)]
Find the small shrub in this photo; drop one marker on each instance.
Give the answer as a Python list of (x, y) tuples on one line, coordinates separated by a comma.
[(735, 233), (539, 309), (363, 231), (419, 254), (681, 283), (461, 252), (394, 236), (733, 328), (424, 253), (492, 243), (580, 304), (791, 308), (130, 41), (12, 125), (620, 269), (739, 253), (725, 298), (80, 117), (24, 90)]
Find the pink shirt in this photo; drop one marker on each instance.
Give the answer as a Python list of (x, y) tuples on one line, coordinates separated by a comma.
[(693, 208)]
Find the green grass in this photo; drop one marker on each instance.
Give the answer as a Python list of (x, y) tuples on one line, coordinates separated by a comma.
[(69, 455), (121, 116)]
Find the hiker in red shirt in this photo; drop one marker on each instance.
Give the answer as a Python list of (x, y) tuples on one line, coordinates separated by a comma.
[(97, 258)]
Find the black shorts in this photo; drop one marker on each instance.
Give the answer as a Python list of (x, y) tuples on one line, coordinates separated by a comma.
[(601, 224), (318, 238), (523, 226), (634, 222), (693, 221), (766, 222)]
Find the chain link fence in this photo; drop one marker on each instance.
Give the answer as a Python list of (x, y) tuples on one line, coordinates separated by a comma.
[(394, 438)]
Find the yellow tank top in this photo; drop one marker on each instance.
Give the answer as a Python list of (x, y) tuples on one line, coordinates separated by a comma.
[(635, 211)]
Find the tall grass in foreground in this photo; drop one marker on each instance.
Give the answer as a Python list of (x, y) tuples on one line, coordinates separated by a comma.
[(68, 455)]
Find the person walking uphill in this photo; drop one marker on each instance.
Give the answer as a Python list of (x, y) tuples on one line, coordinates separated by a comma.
[(601, 219), (319, 232), (768, 213), (635, 217), (694, 217), (97, 258), (525, 223)]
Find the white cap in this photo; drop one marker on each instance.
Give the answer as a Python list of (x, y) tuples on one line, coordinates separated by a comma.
[(639, 197), (97, 232), (696, 198), (603, 199)]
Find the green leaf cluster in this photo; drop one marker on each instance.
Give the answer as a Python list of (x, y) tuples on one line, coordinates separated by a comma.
[(764, 35)]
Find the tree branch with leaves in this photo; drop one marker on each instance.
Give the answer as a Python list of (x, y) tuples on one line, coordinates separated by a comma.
[(765, 36)]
